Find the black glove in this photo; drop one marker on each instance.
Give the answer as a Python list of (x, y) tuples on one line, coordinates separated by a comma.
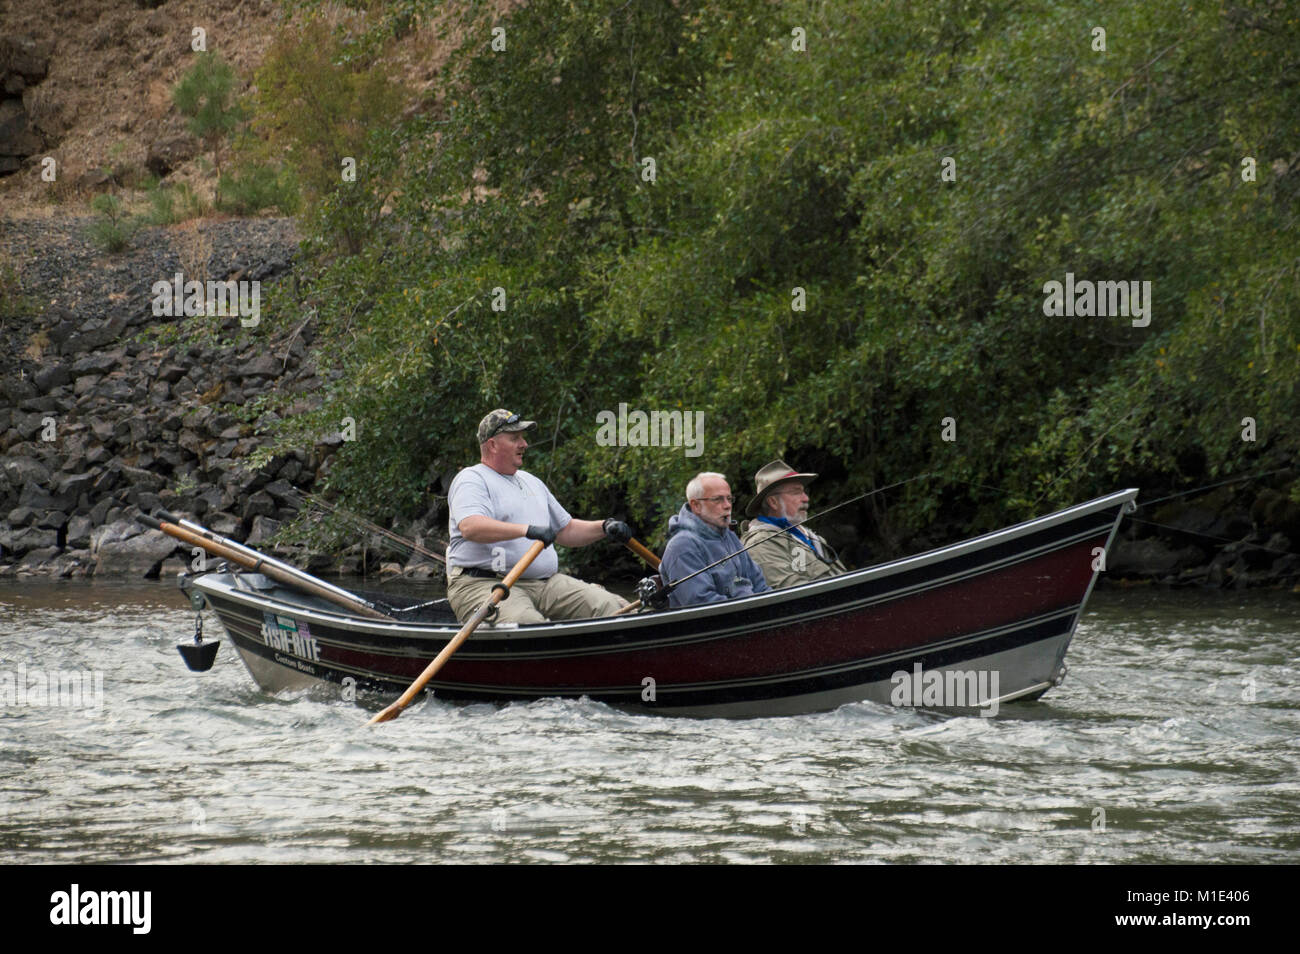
[(617, 530), (545, 534)]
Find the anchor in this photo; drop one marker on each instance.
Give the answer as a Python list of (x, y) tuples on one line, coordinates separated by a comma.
[(199, 656)]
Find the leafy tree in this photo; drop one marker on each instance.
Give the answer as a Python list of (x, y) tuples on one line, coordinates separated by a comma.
[(321, 94), (206, 96), (821, 168)]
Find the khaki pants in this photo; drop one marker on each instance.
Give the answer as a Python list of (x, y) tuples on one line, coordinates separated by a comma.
[(532, 601)]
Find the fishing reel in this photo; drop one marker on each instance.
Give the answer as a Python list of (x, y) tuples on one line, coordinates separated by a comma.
[(652, 593)]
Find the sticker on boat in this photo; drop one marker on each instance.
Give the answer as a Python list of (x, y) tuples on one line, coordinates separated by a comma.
[(289, 636)]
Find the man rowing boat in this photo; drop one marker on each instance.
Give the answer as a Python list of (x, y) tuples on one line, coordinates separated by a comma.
[(496, 507)]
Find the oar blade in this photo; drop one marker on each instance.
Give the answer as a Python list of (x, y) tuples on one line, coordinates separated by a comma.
[(386, 715)]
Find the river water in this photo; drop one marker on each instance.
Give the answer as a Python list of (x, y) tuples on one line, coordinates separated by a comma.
[(1175, 739)]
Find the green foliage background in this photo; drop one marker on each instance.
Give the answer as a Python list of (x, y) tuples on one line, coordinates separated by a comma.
[(821, 169)]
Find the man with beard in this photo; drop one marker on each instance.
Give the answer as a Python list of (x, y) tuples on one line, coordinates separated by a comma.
[(787, 557), (496, 508)]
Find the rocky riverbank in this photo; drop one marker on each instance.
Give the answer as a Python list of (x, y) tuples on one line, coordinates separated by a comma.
[(97, 424), (1232, 537)]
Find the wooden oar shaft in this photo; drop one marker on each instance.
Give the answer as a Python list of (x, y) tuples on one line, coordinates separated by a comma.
[(644, 552), (256, 555), (247, 561), (431, 670)]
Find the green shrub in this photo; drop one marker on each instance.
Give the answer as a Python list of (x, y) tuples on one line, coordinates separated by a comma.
[(205, 95), (324, 97), (13, 300), (256, 186), (112, 231), (192, 204), (162, 205)]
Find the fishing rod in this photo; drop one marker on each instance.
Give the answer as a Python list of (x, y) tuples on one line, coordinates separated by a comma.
[(662, 592), (1183, 493), (410, 545), (1222, 483)]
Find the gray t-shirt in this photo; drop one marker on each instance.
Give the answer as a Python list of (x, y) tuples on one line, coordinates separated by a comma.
[(519, 498)]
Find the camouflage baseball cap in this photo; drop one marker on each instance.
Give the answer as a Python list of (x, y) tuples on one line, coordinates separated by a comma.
[(501, 421)]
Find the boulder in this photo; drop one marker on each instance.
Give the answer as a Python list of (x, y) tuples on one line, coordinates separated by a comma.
[(98, 515), (94, 364), (76, 484), (34, 496), (208, 501), (136, 557), (108, 481), (142, 479), (227, 524), (78, 537), (259, 504), (1150, 557), (283, 493), (20, 470), (15, 389), (15, 542), (31, 425), (102, 429), (39, 556), (264, 528), (52, 376), (53, 520), (166, 154), (22, 516), (115, 532), (262, 366)]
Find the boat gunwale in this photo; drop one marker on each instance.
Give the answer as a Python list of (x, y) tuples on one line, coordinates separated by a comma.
[(209, 583)]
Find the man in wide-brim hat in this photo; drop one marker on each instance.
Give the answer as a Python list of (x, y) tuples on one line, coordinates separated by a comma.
[(788, 554)]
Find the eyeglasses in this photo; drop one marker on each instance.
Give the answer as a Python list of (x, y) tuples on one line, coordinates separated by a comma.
[(793, 491), (512, 419), (718, 499)]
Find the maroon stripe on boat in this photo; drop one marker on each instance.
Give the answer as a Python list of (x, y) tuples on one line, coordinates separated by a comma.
[(1052, 581)]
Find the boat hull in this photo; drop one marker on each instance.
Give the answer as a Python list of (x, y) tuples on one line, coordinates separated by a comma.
[(989, 620)]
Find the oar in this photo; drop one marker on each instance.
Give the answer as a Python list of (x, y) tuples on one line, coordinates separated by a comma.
[(644, 552), (252, 560), (499, 592)]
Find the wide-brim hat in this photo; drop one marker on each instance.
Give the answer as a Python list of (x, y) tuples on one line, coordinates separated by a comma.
[(769, 478), (501, 421)]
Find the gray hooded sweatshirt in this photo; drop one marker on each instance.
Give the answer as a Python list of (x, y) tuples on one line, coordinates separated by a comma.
[(693, 545)]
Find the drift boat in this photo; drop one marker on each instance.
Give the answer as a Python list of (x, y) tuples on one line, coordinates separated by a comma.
[(1005, 603)]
